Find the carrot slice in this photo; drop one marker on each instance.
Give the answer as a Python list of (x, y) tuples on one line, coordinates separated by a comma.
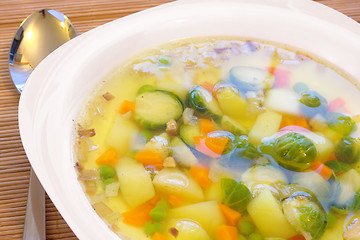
[(147, 158), (127, 106), (225, 232), (211, 146), (175, 200), (298, 237), (201, 174), (294, 121), (232, 217), (109, 157), (139, 215), (322, 169), (206, 126), (158, 236)]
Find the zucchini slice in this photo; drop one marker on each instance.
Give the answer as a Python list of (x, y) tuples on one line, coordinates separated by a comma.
[(153, 109), (203, 102)]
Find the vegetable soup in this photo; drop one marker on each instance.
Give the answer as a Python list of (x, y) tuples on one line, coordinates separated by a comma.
[(222, 139)]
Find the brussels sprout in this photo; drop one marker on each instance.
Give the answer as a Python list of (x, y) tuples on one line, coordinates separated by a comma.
[(341, 123), (245, 148), (235, 194), (216, 134), (312, 104), (294, 151), (347, 150), (338, 167), (203, 102), (305, 214)]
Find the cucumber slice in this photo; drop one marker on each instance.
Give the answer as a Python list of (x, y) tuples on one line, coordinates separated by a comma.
[(155, 108), (251, 78), (203, 102), (232, 126), (188, 132)]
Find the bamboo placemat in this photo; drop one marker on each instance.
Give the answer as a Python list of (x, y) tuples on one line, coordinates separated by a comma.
[(14, 166)]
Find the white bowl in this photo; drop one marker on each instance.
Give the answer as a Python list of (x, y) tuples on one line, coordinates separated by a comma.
[(58, 86)]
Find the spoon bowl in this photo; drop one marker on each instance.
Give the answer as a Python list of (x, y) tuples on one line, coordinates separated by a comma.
[(38, 35)]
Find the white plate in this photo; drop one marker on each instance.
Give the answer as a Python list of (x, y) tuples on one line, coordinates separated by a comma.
[(59, 85)]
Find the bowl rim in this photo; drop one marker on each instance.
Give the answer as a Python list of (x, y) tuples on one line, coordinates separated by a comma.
[(39, 119)]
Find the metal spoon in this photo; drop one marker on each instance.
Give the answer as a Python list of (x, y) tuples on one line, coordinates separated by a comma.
[(38, 35)]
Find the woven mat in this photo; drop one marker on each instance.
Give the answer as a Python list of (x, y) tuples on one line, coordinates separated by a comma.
[(14, 166)]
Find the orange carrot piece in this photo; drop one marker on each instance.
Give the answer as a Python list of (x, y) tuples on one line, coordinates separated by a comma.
[(298, 237), (147, 158), (158, 236), (322, 169), (201, 147), (217, 144), (232, 217), (206, 126), (225, 232), (208, 86), (294, 121), (127, 106), (175, 200), (201, 174), (139, 215), (109, 157)]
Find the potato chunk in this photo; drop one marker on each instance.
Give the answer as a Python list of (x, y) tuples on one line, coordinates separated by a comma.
[(185, 229)]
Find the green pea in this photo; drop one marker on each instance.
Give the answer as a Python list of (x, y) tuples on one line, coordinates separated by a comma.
[(151, 228), (109, 181), (164, 60), (255, 236), (158, 213), (310, 99), (106, 172), (241, 237), (246, 227)]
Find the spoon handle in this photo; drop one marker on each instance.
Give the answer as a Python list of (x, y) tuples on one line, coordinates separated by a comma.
[(35, 210)]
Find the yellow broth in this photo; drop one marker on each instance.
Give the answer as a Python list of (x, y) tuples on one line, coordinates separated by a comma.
[(201, 138)]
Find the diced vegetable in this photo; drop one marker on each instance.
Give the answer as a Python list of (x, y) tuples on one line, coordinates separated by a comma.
[(348, 196), (200, 213), (312, 103), (172, 127), (232, 126), (112, 189), (256, 236), (175, 200), (182, 153), (106, 172), (158, 213), (251, 78), (245, 149), (206, 126), (147, 158), (283, 100), (185, 229), (268, 217), (151, 228), (266, 125), (174, 181), (313, 182), (323, 170), (246, 227), (341, 123), (109, 157), (225, 232), (159, 144), (188, 132), (294, 151), (231, 216), (127, 106), (203, 102), (139, 215), (263, 174), (231, 102), (158, 236), (235, 194), (134, 178), (338, 167), (305, 215), (215, 143), (201, 174), (213, 192), (348, 150), (352, 231), (154, 109)]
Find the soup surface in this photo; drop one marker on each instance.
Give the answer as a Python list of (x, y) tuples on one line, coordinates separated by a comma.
[(222, 139)]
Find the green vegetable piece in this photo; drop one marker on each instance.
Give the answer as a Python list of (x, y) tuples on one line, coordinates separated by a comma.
[(109, 181), (305, 214), (188, 132), (241, 237), (341, 123), (147, 134), (165, 61), (154, 109), (106, 172), (310, 99), (294, 151), (300, 87), (230, 146), (203, 102), (331, 220), (347, 150), (230, 125), (255, 236), (158, 213), (245, 148), (145, 88), (246, 227), (338, 167), (235, 194), (151, 228)]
